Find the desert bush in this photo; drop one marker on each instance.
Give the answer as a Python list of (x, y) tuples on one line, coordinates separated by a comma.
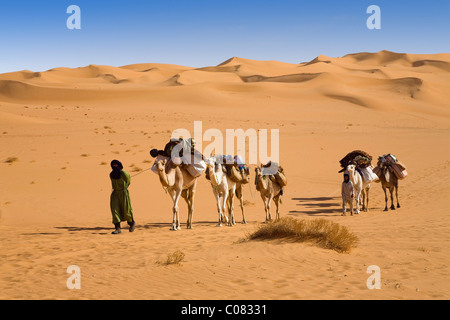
[(322, 232), (11, 160), (173, 258)]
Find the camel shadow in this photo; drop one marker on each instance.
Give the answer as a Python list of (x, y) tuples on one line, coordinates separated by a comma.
[(168, 225), (318, 206)]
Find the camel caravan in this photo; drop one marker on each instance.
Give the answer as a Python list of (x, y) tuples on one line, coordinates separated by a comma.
[(359, 173), (180, 165)]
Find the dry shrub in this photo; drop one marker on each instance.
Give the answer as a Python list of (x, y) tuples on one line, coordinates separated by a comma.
[(249, 203), (324, 233), (11, 160), (173, 258)]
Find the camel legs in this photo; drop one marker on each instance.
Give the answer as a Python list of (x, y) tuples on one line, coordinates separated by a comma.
[(396, 195), (277, 204), (267, 206), (358, 199), (366, 199), (240, 195), (391, 191), (190, 201), (219, 208), (224, 207), (176, 214), (230, 209), (385, 198)]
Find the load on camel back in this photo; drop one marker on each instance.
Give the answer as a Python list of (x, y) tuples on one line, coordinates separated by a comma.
[(393, 165), (234, 167), (275, 173), (363, 162), (181, 152)]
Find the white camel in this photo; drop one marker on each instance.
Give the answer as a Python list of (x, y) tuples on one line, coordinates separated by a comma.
[(219, 184), (361, 188), (178, 182)]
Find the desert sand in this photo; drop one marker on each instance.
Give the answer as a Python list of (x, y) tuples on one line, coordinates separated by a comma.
[(61, 128)]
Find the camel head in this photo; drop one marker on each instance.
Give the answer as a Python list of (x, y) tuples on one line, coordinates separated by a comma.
[(351, 168), (381, 163), (258, 172), (210, 163), (161, 165)]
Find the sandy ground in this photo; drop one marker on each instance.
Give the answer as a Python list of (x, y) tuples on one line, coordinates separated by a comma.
[(64, 126)]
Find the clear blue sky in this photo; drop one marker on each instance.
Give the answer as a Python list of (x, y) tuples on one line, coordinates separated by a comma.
[(34, 36)]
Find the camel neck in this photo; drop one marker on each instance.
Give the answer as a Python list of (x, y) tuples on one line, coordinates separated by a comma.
[(164, 178), (261, 183), (213, 178)]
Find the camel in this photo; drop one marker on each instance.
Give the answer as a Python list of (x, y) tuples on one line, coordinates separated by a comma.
[(388, 181), (269, 190), (240, 195), (219, 179), (219, 184), (178, 182), (235, 189), (361, 188)]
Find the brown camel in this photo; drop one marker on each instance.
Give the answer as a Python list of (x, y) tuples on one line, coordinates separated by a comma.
[(177, 182), (388, 181), (269, 190)]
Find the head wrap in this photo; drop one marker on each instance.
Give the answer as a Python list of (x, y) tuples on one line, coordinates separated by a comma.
[(116, 171)]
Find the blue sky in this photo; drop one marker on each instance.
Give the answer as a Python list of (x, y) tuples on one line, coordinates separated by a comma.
[(34, 36)]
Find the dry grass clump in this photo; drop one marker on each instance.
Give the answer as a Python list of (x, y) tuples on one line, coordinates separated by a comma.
[(324, 233), (173, 258), (249, 203), (11, 160)]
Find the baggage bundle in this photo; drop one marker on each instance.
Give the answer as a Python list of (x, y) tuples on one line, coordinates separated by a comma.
[(399, 171), (360, 158), (192, 162), (377, 171), (363, 162), (281, 177), (368, 175), (234, 167), (395, 166), (236, 174), (275, 172)]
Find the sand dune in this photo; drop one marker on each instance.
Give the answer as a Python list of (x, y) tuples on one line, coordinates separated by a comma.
[(419, 77), (61, 128)]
